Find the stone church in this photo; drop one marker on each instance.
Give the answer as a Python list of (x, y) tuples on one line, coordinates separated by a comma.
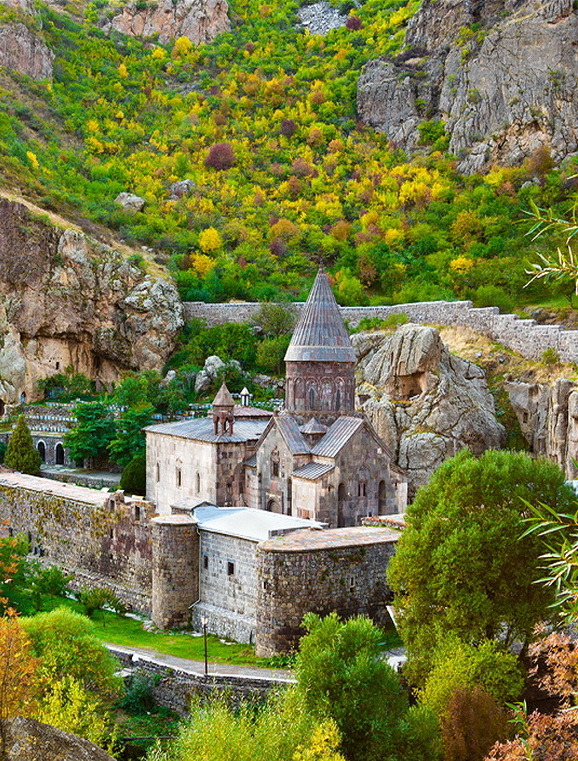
[(319, 459)]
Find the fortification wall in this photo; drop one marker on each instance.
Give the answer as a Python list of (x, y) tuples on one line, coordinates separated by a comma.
[(294, 580), (524, 336), (97, 536)]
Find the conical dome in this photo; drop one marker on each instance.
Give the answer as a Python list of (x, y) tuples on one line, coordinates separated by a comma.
[(320, 335), (223, 398)]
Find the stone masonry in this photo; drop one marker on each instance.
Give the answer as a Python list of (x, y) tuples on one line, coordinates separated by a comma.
[(524, 336)]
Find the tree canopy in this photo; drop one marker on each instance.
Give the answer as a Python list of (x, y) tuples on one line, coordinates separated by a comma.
[(461, 564)]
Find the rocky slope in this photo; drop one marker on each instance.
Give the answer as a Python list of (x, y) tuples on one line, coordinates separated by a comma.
[(30, 740), (22, 49), (502, 74), (66, 299), (425, 403), (199, 20)]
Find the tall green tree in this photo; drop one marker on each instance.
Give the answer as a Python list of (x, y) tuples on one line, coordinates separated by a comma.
[(129, 440), (21, 454), (461, 565), (94, 431)]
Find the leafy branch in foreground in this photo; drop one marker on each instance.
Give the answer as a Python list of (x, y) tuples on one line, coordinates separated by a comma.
[(559, 531), (559, 266)]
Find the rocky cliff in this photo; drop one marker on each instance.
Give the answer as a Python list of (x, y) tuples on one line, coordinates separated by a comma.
[(30, 740), (548, 417), (22, 49), (425, 403), (66, 299), (199, 20), (501, 74)]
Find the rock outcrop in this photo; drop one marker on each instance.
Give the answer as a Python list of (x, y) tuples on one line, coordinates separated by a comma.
[(548, 417), (66, 299), (22, 49), (501, 74), (425, 403), (30, 740), (199, 20)]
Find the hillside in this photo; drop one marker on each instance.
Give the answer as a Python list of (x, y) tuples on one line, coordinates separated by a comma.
[(262, 123)]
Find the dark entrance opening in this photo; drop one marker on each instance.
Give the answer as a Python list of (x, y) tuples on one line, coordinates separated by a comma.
[(59, 454)]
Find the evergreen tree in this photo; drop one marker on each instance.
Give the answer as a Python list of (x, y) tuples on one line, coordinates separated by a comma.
[(21, 453), (133, 479)]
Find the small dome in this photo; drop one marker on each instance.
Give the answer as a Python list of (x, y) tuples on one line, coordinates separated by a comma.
[(223, 398)]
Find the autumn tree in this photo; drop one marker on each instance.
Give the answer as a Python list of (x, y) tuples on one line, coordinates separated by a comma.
[(18, 670), (21, 453)]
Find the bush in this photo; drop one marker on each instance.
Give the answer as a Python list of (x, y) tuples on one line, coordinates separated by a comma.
[(377, 323), (133, 479), (220, 156), (493, 296), (96, 598), (550, 356), (138, 698), (3, 447)]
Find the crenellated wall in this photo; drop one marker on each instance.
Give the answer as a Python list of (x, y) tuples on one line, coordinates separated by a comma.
[(524, 336)]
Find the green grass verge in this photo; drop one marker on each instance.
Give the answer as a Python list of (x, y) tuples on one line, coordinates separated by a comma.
[(129, 632)]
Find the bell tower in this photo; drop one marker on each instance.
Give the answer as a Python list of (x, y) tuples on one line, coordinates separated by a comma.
[(223, 412), (320, 360)]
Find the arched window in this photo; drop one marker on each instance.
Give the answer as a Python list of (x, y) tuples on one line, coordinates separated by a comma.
[(158, 473), (311, 398), (59, 454), (41, 450), (338, 399), (274, 464), (23, 398), (2, 408), (273, 506)]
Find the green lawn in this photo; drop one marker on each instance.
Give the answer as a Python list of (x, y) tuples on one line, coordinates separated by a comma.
[(129, 632)]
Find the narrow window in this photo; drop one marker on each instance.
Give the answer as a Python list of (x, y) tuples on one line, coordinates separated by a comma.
[(311, 398), (230, 568), (198, 484), (205, 562), (179, 477), (158, 472)]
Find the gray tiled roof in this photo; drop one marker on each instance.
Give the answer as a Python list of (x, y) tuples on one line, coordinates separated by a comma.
[(289, 429), (320, 335), (202, 429), (312, 471), (248, 523), (337, 436), (313, 426)]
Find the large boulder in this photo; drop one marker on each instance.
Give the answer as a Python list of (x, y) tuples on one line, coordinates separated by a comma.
[(505, 88), (69, 300), (425, 403), (30, 740), (199, 20), (22, 48)]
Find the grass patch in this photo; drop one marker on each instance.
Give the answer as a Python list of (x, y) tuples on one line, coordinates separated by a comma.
[(129, 632)]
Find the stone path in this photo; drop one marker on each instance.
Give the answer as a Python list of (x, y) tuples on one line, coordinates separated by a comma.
[(198, 667)]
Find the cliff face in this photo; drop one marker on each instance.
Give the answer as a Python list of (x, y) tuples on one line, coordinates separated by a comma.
[(424, 402), (22, 49), (548, 417), (66, 299), (501, 74), (199, 20)]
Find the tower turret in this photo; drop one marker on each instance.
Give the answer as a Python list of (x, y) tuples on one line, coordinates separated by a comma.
[(223, 411), (320, 360)]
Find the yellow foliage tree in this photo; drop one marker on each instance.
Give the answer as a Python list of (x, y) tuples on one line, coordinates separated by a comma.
[(323, 744), (210, 240), (202, 264), (18, 670), (181, 47)]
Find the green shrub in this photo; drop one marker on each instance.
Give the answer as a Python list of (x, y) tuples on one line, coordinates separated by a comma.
[(493, 296), (550, 356), (133, 478), (21, 454)]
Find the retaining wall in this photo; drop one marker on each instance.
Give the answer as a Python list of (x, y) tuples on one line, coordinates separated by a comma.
[(524, 336), (174, 688)]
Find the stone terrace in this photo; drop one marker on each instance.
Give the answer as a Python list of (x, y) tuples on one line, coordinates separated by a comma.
[(54, 488), (327, 539)]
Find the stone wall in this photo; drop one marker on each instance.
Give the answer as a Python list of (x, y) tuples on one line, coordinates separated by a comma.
[(97, 536), (228, 592), (524, 336), (174, 688), (320, 571)]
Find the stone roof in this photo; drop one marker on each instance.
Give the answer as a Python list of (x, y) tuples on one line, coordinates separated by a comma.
[(337, 436), (248, 523), (313, 426), (289, 429), (320, 334), (312, 471), (223, 398), (309, 541), (202, 429)]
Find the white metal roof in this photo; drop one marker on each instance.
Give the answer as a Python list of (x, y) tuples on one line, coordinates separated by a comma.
[(248, 523)]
